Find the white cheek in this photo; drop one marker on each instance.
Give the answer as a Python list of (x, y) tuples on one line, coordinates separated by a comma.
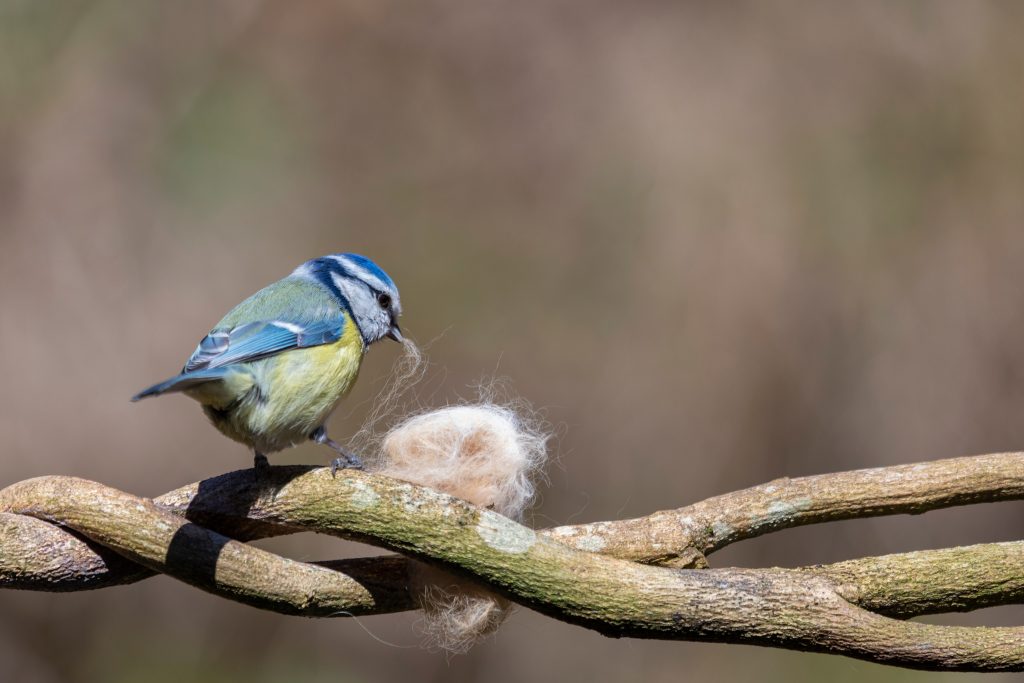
[(373, 321)]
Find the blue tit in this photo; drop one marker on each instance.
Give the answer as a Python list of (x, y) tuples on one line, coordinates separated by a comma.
[(269, 374)]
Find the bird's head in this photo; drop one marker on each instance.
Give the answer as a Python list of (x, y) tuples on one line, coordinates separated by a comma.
[(363, 289)]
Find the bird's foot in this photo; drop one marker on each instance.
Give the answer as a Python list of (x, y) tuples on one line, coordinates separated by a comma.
[(346, 462), (260, 465), (347, 459)]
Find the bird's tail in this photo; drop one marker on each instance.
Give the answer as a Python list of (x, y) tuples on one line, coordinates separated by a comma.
[(185, 380)]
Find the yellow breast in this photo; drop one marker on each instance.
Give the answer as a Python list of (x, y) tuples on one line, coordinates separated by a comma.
[(295, 391)]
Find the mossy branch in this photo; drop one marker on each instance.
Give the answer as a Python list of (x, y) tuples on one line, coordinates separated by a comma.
[(62, 533)]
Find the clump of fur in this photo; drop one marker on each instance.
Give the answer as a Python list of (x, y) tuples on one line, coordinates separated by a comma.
[(487, 454), (482, 453), (456, 613)]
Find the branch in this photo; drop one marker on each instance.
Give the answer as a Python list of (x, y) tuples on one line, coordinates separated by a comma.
[(808, 609), (717, 522), (931, 581), (136, 529)]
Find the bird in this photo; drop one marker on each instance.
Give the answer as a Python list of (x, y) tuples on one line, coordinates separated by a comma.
[(273, 369)]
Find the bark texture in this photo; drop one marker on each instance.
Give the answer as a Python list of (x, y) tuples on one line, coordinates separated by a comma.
[(644, 577)]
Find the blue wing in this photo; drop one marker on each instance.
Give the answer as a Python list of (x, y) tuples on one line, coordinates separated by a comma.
[(256, 340), (251, 341)]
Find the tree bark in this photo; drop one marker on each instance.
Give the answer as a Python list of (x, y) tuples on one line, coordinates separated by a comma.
[(621, 578)]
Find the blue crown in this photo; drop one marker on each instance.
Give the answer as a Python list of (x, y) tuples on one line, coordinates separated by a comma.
[(352, 266)]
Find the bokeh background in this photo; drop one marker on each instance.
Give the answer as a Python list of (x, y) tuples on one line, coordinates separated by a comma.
[(716, 243)]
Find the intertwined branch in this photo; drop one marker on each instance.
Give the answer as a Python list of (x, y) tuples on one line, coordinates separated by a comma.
[(642, 577)]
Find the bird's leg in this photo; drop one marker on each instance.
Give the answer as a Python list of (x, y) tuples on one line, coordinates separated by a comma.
[(260, 463), (346, 459)]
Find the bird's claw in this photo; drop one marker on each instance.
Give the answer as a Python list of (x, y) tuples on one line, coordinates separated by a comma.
[(346, 462)]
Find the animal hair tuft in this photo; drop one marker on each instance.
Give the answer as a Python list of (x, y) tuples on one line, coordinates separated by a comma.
[(485, 453)]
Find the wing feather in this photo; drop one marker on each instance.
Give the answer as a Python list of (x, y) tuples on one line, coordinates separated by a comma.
[(256, 340)]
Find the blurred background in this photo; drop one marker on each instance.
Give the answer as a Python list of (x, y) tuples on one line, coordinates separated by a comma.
[(716, 243)]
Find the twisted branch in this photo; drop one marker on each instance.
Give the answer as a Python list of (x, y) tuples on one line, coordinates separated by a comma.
[(596, 575)]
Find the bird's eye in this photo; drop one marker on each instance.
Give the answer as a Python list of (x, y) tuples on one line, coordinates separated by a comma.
[(384, 300)]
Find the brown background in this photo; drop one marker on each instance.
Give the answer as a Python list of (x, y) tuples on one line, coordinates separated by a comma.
[(716, 244)]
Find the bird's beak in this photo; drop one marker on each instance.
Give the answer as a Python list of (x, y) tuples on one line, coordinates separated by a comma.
[(396, 333)]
